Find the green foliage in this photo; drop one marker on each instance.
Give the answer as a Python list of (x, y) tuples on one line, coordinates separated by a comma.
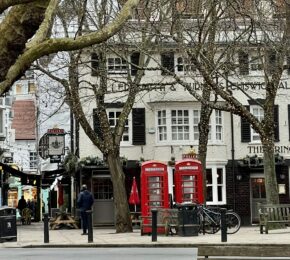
[(90, 160), (70, 163)]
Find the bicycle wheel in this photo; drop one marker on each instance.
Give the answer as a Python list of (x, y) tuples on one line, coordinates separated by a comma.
[(233, 222), (207, 224)]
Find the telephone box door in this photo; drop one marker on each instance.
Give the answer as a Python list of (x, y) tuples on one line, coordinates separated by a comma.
[(154, 191), (188, 181)]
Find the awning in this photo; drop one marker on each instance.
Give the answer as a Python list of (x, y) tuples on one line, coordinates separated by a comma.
[(13, 171), (29, 179)]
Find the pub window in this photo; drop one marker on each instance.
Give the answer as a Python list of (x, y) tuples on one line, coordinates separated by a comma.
[(134, 61), (288, 64), (1, 122), (185, 65), (258, 112), (244, 63), (162, 128), (113, 117), (272, 61), (189, 9), (18, 89), (117, 65), (167, 62), (95, 64), (256, 63), (215, 185), (32, 160), (180, 124), (31, 88)]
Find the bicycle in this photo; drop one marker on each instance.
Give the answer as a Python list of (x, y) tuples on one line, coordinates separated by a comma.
[(210, 220)]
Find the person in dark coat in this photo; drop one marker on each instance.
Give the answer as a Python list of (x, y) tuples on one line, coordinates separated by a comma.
[(85, 202), (21, 205)]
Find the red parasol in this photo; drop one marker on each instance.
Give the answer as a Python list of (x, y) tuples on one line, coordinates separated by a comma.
[(134, 195), (60, 194)]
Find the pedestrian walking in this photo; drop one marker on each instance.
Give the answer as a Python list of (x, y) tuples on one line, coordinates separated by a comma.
[(21, 205), (85, 202)]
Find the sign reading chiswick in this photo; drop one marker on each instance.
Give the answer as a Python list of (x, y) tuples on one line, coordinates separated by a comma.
[(245, 86), (173, 86)]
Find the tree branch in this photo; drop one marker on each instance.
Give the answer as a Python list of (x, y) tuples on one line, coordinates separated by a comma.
[(4, 4), (55, 45)]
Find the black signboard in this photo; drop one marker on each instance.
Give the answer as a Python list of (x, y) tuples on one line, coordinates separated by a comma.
[(55, 158)]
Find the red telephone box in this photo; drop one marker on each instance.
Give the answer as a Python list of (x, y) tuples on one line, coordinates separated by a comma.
[(154, 191), (188, 181)]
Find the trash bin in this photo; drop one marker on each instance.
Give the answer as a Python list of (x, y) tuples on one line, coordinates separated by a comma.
[(8, 228), (188, 220)]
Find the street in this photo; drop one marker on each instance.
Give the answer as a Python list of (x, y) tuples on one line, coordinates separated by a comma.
[(244, 258), (98, 253), (113, 254)]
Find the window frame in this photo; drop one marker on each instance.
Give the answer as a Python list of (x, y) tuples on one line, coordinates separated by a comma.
[(162, 118), (192, 123), (256, 63), (260, 117), (191, 10), (180, 125), (185, 65), (215, 184), (128, 125), (167, 61), (32, 160), (114, 66), (2, 122), (244, 63)]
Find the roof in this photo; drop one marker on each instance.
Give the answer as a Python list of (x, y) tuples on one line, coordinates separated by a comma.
[(24, 121)]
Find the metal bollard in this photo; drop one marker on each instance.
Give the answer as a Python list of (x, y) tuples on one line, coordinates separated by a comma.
[(90, 227), (223, 225), (154, 225), (46, 229)]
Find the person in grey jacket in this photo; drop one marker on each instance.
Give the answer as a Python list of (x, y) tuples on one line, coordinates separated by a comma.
[(85, 202)]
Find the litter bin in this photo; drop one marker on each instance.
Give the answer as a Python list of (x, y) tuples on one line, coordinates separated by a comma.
[(8, 228), (188, 219)]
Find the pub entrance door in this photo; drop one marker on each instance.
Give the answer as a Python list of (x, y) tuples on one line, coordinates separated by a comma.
[(103, 213), (258, 195)]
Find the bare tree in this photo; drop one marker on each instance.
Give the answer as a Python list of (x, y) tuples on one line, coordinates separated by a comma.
[(85, 94), (238, 28)]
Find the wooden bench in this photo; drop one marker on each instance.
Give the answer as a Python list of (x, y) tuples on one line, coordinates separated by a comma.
[(63, 219), (167, 220), (273, 213)]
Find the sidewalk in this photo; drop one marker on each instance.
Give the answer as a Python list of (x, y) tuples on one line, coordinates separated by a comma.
[(33, 236)]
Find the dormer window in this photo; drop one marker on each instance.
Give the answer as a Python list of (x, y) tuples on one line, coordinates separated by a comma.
[(189, 9)]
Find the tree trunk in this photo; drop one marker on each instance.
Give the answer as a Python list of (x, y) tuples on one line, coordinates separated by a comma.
[(203, 127), (271, 186), (122, 212)]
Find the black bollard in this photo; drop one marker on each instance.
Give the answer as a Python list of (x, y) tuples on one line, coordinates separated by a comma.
[(90, 227), (46, 229), (223, 225), (154, 225), (203, 223)]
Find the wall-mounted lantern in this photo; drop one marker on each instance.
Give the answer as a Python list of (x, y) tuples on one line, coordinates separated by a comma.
[(282, 176)]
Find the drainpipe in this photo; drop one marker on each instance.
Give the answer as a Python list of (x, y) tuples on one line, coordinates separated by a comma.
[(233, 160), (232, 150), (72, 148)]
